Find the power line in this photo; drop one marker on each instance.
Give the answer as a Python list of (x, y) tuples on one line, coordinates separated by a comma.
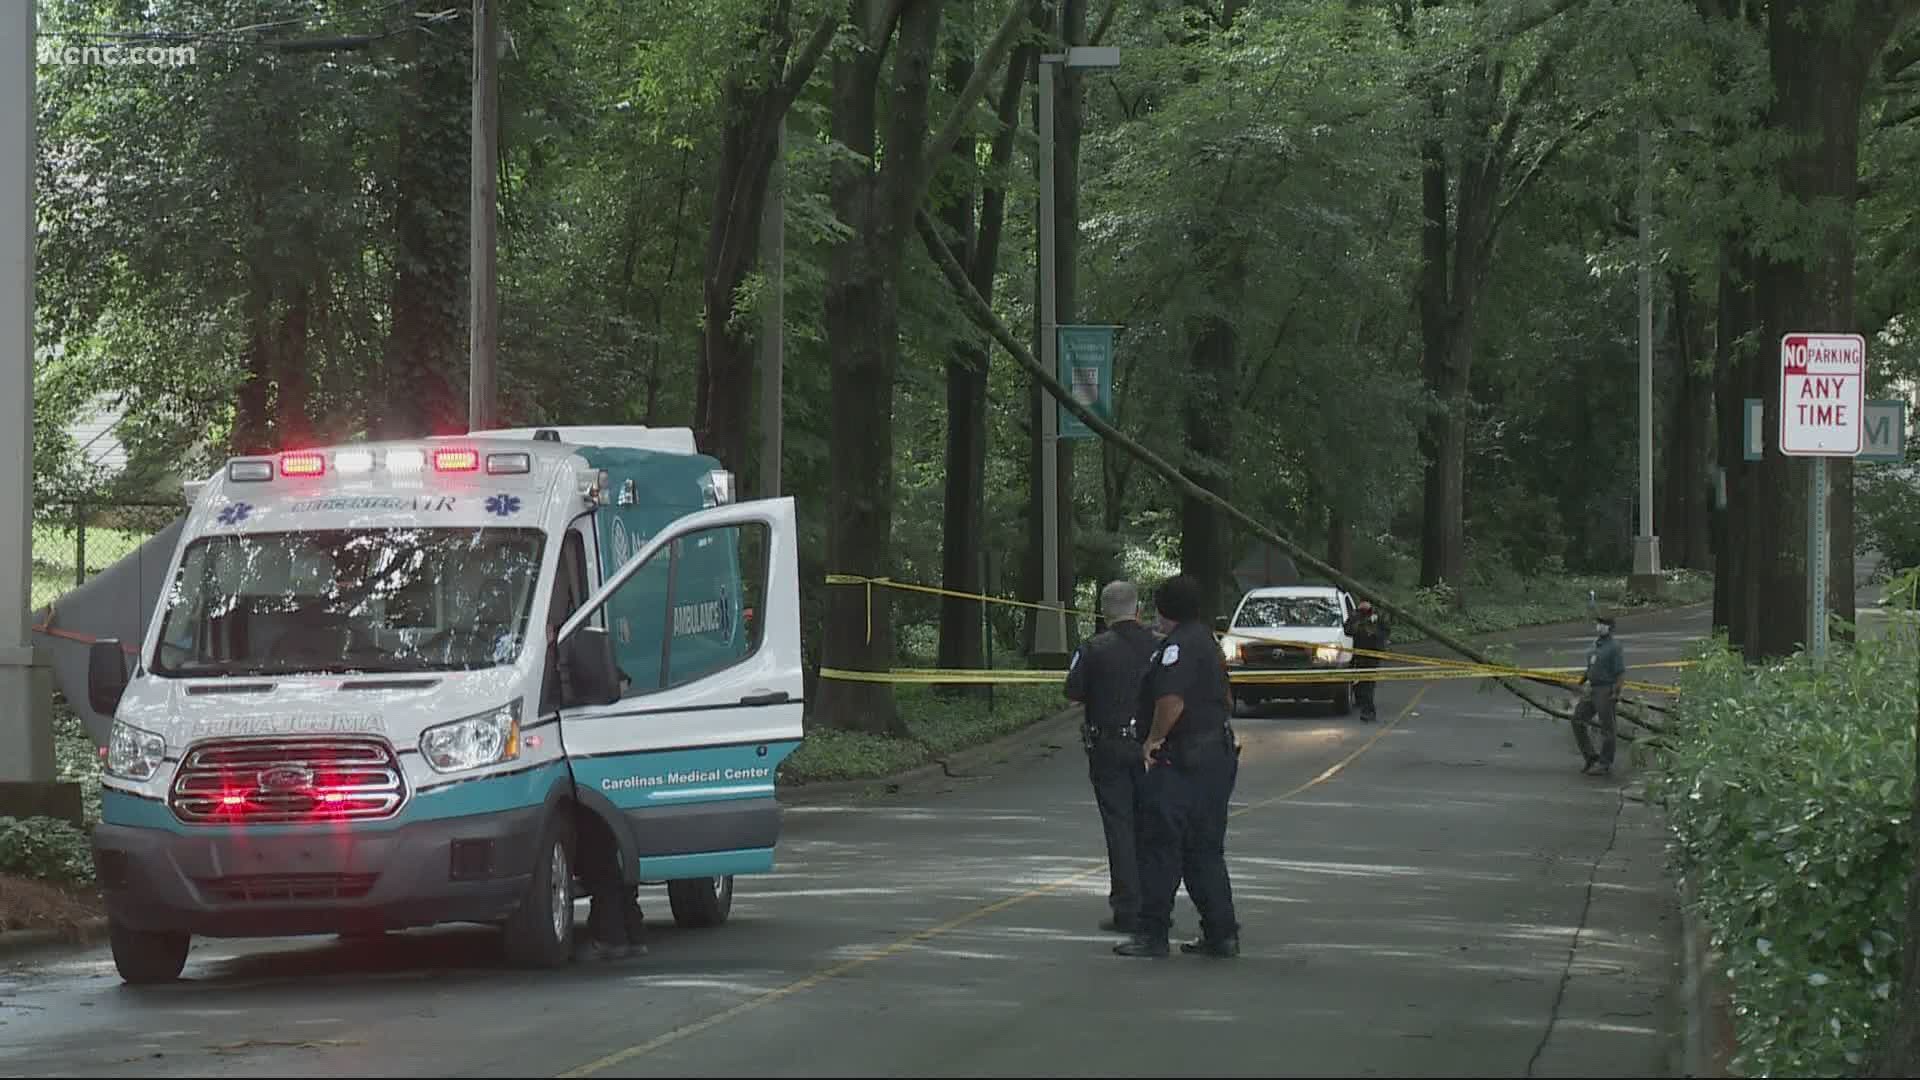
[(243, 36)]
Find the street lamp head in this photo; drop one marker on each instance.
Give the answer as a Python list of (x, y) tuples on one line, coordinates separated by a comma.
[(1093, 56)]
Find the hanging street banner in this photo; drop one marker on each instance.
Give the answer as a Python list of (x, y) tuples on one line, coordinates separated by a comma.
[(1086, 369)]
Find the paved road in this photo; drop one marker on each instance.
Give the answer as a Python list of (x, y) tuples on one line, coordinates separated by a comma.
[(1438, 894)]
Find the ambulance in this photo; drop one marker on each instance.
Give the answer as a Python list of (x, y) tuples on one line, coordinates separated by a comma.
[(449, 680)]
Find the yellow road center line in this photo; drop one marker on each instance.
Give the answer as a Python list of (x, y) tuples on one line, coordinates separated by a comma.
[(903, 944)]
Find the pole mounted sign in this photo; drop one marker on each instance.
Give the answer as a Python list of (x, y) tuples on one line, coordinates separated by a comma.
[(1823, 399), (1823, 395), (1086, 368)]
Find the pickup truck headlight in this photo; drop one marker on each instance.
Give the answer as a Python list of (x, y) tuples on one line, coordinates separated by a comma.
[(1328, 655), (134, 754), (486, 738), (1231, 646)]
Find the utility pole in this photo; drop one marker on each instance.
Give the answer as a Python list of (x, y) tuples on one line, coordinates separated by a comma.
[(1646, 548), (773, 325), (484, 312), (26, 705), (1050, 636)]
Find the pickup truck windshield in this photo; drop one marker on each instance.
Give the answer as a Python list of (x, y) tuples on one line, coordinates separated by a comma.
[(348, 601), (1274, 612)]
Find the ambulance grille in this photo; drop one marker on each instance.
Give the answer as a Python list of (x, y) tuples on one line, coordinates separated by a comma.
[(261, 781)]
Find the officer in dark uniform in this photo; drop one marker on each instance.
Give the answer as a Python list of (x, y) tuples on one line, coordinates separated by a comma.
[(1192, 763), (1369, 633), (1105, 677)]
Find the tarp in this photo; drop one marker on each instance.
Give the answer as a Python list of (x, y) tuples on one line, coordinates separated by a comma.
[(1264, 565), (118, 603)]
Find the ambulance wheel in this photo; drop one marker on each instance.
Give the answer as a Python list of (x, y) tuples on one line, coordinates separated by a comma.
[(540, 932), (700, 903), (144, 957)]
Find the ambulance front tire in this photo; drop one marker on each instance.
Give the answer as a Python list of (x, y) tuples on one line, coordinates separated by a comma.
[(701, 903), (540, 932), (145, 957)]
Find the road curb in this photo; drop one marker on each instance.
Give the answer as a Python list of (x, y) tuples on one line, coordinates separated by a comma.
[(1709, 1043), (15, 944), (1040, 731)]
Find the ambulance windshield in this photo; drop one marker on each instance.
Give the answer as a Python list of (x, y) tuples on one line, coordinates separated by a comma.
[(350, 601)]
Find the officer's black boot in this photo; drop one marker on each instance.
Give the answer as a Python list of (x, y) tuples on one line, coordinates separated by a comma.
[(1225, 948), (1144, 945)]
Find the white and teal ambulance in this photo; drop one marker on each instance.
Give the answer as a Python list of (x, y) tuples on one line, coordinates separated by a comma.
[(399, 684)]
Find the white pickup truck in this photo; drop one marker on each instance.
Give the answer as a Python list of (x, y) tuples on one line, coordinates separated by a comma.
[(1291, 628)]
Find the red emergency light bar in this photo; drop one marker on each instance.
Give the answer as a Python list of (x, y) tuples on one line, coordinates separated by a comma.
[(456, 460), (303, 464)]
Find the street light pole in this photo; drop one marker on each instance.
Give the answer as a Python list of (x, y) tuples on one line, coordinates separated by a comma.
[(773, 327), (1050, 637), (1646, 548), (26, 724), (483, 307)]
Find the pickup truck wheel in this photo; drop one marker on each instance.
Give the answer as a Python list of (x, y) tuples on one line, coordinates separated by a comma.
[(540, 932), (146, 957), (700, 903), (1343, 700)]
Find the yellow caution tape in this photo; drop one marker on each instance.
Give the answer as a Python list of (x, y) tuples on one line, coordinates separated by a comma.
[(980, 676)]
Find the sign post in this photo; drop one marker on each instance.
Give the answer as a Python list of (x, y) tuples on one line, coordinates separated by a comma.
[(1086, 369), (1823, 397)]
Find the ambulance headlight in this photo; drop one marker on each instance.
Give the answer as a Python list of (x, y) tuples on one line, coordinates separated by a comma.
[(718, 487), (133, 754), (486, 739), (1326, 654)]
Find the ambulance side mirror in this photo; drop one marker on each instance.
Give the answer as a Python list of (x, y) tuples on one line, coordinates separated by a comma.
[(106, 677), (589, 675), (1219, 624)]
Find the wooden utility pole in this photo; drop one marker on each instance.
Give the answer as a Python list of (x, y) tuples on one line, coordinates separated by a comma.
[(484, 320)]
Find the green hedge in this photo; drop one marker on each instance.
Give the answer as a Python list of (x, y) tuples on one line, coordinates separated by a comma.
[(1788, 790), (45, 849)]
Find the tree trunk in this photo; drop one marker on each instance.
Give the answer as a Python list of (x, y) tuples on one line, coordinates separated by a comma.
[(1208, 415), (756, 104), (1685, 520), (1339, 541), (427, 349), (1442, 547), (961, 644), (723, 388), (862, 318), (290, 417), (1819, 72), (252, 424)]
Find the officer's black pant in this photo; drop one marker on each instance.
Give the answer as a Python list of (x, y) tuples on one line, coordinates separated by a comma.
[(1183, 836), (1363, 689), (1115, 768)]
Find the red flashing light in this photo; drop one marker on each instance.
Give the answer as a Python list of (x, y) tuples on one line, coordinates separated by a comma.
[(233, 800), (333, 797), (456, 460), (303, 464)]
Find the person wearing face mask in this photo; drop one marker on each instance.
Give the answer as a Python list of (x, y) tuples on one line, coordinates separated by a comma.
[(1606, 666)]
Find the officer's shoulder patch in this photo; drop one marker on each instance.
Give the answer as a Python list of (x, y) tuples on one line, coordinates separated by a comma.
[(1170, 656)]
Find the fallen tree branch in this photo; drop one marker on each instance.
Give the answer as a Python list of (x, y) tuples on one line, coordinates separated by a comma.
[(982, 313)]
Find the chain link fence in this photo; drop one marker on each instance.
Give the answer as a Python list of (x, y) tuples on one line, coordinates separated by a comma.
[(74, 541)]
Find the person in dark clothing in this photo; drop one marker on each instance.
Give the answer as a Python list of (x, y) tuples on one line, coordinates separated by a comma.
[(1606, 666), (1192, 762), (1104, 676), (1368, 629)]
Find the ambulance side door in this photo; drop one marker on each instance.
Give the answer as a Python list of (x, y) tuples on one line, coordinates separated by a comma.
[(685, 735)]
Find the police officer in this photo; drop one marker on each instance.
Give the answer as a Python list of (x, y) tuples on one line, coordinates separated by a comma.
[(1105, 676), (1606, 666), (1369, 633), (1191, 763)]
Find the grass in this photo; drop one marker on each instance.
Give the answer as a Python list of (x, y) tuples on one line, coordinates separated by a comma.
[(937, 726), (1514, 603)]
